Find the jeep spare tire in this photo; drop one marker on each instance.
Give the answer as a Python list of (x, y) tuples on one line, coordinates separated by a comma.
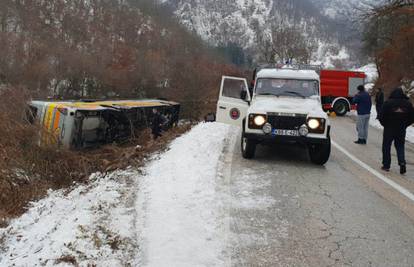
[(320, 153), (248, 147)]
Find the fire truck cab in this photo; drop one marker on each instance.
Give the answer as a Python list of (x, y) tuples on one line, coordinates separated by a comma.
[(338, 89)]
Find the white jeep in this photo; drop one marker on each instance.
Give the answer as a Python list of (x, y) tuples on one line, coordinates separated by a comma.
[(284, 106)]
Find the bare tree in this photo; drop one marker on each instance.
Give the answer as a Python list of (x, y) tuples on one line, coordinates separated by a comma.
[(389, 39)]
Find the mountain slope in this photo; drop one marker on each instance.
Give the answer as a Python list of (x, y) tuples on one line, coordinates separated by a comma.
[(343, 10), (239, 21), (327, 25), (245, 22)]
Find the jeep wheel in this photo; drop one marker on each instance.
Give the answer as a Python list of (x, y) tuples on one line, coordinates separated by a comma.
[(319, 154), (248, 147), (341, 107)]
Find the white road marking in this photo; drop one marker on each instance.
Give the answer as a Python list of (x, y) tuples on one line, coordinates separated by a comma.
[(377, 174)]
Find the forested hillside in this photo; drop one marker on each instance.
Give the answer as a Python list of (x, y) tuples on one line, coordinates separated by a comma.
[(95, 49)]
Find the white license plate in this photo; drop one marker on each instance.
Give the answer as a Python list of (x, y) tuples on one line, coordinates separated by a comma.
[(285, 132)]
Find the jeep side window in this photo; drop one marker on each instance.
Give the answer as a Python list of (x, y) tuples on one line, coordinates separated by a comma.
[(233, 88)]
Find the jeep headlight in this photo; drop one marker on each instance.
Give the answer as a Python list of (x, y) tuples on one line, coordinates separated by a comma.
[(313, 124), (256, 121), (259, 120), (316, 125)]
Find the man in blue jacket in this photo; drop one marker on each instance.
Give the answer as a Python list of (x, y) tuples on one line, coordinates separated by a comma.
[(364, 104)]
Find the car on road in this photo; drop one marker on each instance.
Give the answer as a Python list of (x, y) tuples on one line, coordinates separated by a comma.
[(284, 106)]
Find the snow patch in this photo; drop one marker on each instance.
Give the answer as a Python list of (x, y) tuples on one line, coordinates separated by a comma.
[(246, 199), (178, 206), (92, 223)]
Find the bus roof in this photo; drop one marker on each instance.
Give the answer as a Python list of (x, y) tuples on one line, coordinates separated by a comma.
[(105, 104)]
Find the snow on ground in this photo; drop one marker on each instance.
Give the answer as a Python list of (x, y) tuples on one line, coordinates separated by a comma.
[(376, 124), (92, 224), (178, 206), (166, 214)]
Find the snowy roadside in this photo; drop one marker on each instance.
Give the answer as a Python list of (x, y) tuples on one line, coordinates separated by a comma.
[(165, 214), (92, 224), (180, 213), (376, 124)]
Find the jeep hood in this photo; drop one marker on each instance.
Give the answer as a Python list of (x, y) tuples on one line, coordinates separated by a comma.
[(282, 104)]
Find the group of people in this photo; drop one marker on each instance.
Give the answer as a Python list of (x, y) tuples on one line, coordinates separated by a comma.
[(396, 115)]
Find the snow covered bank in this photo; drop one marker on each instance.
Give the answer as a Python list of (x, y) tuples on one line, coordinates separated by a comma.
[(178, 207), (93, 224), (164, 215)]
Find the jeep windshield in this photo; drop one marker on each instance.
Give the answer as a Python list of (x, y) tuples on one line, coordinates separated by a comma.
[(287, 87)]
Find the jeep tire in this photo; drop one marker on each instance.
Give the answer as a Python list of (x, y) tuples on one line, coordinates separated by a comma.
[(248, 147), (341, 107), (319, 153)]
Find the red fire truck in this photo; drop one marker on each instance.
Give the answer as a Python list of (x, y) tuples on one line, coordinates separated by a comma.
[(338, 88)]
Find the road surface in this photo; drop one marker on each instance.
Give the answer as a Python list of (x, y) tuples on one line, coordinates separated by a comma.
[(284, 211)]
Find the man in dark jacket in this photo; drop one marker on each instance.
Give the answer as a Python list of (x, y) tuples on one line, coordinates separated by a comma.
[(396, 115), (364, 105), (379, 101), (157, 123)]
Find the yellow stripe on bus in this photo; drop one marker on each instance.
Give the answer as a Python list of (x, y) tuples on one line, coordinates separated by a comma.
[(47, 123)]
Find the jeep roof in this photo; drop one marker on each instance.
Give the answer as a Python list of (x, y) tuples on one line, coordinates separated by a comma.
[(288, 74)]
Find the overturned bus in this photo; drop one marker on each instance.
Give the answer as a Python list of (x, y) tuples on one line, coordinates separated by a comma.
[(88, 124)]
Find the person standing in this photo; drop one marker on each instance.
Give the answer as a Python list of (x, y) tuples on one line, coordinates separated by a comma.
[(396, 115), (364, 104), (379, 101), (157, 123)]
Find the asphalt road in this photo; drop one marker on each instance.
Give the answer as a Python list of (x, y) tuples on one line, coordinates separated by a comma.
[(285, 211)]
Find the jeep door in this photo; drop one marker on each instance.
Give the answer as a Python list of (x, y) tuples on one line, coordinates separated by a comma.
[(233, 101)]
